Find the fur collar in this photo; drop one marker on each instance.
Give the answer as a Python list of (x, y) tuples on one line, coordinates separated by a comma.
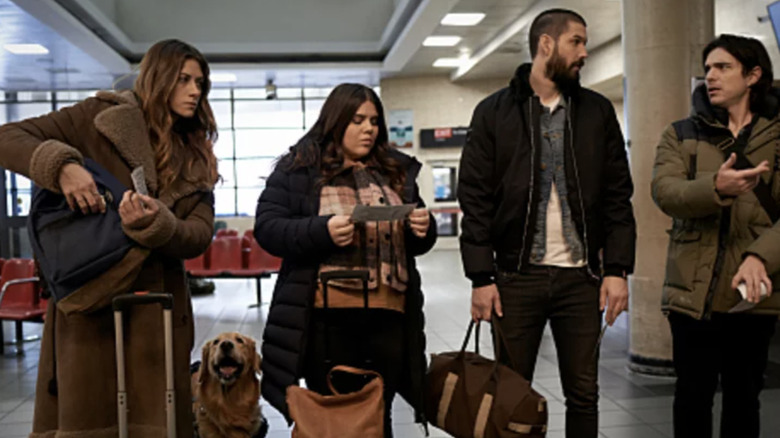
[(124, 125)]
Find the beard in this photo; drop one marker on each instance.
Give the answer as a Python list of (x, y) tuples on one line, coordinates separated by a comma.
[(566, 77)]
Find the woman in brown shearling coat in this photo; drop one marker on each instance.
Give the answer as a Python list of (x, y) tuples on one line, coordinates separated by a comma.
[(165, 125)]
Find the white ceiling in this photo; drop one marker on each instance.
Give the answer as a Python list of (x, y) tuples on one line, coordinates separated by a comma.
[(309, 42)]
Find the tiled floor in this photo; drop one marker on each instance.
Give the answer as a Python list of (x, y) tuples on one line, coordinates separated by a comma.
[(632, 406)]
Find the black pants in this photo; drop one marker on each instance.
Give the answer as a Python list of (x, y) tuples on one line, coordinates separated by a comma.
[(353, 338), (733, 347), (569, 299)]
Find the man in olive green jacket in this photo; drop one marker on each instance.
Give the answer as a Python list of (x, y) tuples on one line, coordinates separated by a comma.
[(716, 175)]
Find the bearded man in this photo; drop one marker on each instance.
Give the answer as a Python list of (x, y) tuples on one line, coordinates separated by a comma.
[(548, 226)]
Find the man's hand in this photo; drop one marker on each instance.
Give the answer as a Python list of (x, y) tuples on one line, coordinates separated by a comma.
[(752, 272), (483, 300), (732, 182), (614, 295)]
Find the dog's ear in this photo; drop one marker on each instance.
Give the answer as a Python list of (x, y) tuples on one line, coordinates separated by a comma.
[(258, 361), (205, 361)]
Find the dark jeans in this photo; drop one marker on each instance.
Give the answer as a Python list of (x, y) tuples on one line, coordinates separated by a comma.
[(569, 299), (352, 339), (733, 347)]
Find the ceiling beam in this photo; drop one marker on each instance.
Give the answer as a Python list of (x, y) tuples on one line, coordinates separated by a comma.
[(422, 23), (68, 27), (507, 33), (403, 11)]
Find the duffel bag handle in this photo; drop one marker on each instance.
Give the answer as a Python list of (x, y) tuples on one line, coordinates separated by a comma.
[(349, 370), (497, 340), (472, 326)]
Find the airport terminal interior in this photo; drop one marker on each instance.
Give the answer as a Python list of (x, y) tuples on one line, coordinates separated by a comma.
[(274, 62)]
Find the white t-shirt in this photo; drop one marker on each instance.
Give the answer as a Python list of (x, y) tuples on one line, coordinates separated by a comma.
[(557, 252)]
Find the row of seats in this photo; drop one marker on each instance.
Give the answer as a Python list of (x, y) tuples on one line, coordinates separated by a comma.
[(20, 296), (234, 256), (228, 256)]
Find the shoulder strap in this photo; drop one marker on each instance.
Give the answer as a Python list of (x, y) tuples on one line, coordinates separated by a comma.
[(686, 129)]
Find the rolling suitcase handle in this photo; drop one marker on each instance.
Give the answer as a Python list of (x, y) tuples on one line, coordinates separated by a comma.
[(327, 276), (120, 304)]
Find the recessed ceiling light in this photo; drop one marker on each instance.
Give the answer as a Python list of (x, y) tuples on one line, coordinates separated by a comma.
[(26, 49), (462, 19), (222, 77), (448, 62), (441, 41)]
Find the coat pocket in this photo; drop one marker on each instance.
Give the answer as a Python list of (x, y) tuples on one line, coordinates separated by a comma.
[(682, 258)]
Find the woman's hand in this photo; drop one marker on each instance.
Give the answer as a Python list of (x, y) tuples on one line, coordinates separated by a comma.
[(79, 188), (419, 221), (136, 210), (341, 230)]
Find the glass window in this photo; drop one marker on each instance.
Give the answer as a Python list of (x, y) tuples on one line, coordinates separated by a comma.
[(27, 110), (221, 110), (219, 93), (32, 96), (268, 114), (317, 92), (74, 96), (61, 105), (249, 93), (223, 148), (19, 205), (265, 142), (224, 201), (253, 133), (247, 200), (288, 93), (313, 108), (253, 172), (226, 171), (22, 182)]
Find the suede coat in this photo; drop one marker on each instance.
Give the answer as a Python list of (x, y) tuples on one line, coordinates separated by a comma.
[(76, 389)]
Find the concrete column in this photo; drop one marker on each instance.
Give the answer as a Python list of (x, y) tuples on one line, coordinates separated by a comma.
[(662, 44)]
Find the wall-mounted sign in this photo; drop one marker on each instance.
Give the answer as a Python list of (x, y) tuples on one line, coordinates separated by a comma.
[(443, 137), (400, 125)]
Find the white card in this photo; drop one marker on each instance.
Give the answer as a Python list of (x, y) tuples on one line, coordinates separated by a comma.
[(139, 181)]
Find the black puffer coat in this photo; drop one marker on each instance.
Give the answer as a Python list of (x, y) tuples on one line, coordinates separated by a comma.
[(287, 225)]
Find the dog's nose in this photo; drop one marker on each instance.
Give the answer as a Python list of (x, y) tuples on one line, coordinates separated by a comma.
[(226, 346)]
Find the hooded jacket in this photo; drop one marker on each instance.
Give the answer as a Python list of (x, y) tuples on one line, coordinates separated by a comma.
[(688, 157)]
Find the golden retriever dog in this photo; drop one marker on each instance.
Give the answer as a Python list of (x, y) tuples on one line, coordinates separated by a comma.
[(226, 390)]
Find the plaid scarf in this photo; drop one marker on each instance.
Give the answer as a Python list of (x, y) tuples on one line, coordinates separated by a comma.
[(377, 246)]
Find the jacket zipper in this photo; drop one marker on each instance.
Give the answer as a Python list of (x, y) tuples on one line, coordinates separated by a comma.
[(717, 265), (531, 189), (586, 255)]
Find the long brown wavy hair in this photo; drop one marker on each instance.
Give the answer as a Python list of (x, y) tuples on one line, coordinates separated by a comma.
[(180, 144), (321, 146)]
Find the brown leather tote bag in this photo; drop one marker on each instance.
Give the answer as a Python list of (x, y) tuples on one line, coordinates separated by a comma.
[(469, 395), (359, 414)]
